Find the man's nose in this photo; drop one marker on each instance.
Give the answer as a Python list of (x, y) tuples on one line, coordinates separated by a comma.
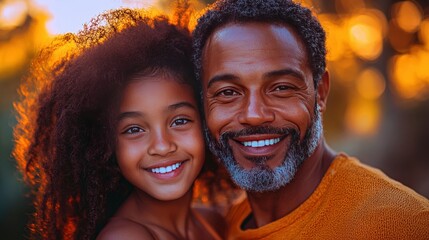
[(256, 111)]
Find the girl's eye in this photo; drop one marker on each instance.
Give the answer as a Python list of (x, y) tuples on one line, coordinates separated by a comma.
[(180, 121), (133, 130)]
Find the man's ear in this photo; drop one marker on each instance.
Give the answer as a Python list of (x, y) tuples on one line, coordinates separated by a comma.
[(323, 91)]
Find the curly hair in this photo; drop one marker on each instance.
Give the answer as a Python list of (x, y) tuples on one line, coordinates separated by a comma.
[(65, 144), (287, 12)]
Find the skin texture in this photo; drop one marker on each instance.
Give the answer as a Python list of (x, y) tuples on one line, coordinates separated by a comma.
[(158, 131), (257, 75), (154, 131)]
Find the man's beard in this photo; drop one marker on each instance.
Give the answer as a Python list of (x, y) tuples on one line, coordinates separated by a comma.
[(262, 178)]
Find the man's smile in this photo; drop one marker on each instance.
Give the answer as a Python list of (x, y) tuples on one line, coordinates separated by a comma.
[(253, 147), (261, 143), (259, 140)]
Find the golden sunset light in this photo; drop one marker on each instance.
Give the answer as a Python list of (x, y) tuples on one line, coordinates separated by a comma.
[(69, 16), (377, 60)]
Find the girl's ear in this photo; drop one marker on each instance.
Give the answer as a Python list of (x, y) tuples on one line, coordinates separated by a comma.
[(323, 91)]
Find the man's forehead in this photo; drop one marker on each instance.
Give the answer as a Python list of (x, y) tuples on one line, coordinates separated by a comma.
[(253, 48), (236, 35)]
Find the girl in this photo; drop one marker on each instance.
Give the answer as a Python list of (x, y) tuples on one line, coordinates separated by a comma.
[(109, 134)]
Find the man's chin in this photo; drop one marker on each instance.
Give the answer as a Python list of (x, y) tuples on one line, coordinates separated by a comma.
[(261, 178), (258, 162)]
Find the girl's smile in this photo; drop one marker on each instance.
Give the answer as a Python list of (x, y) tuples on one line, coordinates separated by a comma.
[(160, 148)]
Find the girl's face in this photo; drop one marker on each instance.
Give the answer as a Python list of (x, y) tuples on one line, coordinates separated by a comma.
[(160, 148)]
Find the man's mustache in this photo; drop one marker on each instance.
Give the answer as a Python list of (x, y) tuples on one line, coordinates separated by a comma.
[(257, 130)]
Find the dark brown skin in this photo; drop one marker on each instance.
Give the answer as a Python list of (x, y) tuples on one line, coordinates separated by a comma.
[(160, 220), (154, 132), (257, 74)]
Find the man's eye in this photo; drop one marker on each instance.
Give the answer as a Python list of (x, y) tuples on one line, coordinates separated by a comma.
[(281, 88), (180, 121), (228, 92), (133, 130)]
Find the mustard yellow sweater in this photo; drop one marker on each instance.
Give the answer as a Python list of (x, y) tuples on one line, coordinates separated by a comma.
[(353, 201)]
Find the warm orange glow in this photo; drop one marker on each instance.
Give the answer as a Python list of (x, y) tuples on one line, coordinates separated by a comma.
[(370, 84), (424, 32), (407, 15), (410, 74), (363, 117), (336, 41), (12, 14), (345, 69), (398, 38), (349, 6), (18, 50), (422, 67), (308, 3), (365, 36), (12, 56)]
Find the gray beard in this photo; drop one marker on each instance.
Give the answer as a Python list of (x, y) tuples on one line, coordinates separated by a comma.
[(262, 178)]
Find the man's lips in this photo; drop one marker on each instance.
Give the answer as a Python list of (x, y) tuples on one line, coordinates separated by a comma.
[(257, 141), (259, 145)]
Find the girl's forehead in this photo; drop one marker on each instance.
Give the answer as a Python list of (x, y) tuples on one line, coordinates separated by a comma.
[(150, 91)]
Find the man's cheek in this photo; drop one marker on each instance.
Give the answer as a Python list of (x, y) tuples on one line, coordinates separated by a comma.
[(216, 122)]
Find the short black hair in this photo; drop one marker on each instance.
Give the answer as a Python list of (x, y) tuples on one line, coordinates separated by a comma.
[(287, 12)]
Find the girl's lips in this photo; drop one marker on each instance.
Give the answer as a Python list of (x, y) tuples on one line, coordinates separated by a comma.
[(167, 171), (164, 164)]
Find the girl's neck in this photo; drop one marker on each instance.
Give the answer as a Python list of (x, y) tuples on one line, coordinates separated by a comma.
[(174, 216)]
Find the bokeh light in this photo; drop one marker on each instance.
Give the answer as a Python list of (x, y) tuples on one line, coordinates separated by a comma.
[(365, 33), (337, 43), (370, 84), (363, 117), (424, 32), (378, 60), (410, 74), (407, 14), (12, 14)]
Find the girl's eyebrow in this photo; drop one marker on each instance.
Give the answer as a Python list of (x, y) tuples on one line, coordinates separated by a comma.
[(180, 105), (123, 115), (172, 107)]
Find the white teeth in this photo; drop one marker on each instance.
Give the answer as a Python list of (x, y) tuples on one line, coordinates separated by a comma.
[(166, 169), (261, 143)]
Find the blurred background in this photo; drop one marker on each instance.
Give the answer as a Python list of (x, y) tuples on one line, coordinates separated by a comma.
[(378, 58)]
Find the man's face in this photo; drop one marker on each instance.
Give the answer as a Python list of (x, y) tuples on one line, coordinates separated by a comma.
[(260, 103)]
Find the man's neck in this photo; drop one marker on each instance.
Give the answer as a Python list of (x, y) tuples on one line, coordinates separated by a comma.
[(271, 206)]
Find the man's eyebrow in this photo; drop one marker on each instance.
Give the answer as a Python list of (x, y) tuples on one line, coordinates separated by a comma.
[(275, 73), (123, 115), (180, 105), (222, 77), (283, 72)]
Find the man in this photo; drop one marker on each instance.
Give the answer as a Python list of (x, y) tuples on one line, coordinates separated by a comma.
[(261, 66)]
